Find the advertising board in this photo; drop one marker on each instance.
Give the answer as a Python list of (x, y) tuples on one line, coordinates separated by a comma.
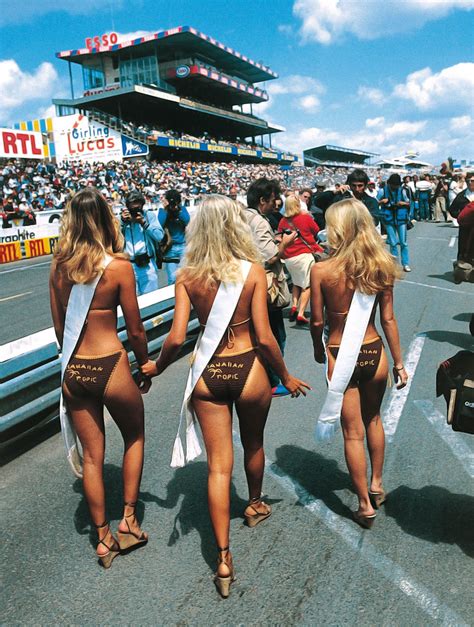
[(20, 144), (77, 137)]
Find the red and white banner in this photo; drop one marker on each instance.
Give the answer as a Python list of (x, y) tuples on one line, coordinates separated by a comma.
[(16, 144), (77, 137)]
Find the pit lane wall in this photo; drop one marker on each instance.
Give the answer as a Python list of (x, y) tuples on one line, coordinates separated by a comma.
[(25, 242)]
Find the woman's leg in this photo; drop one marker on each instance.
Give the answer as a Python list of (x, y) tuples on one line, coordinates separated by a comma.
[(215, 420), (305, 294), (295, 295), (125, 404), (354, 451), (88, 420), (252, 409), (371, 395)]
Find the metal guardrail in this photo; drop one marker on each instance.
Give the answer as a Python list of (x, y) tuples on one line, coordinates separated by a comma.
[(30, 368)]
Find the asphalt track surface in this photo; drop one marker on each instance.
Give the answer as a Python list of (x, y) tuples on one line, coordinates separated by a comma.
[(307, 564)]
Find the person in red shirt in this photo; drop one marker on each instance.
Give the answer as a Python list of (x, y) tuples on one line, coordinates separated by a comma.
[(298, 256)]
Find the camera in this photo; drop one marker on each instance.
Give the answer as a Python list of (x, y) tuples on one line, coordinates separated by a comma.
[(287, 232)]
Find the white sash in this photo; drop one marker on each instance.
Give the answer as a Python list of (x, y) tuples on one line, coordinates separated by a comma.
[(78, 306), (356, 325), (221, 313)]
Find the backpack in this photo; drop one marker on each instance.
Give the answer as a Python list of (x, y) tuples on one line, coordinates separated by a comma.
[(455, 380)]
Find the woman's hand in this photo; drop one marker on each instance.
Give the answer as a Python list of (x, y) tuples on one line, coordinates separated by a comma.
[(400, 376), (295, 386), (149, 369)]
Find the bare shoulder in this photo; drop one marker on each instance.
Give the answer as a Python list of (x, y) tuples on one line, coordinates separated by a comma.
[(118, 265), (257, 272), (321, 269)]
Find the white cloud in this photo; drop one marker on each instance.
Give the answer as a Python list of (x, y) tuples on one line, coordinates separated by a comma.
[(326, 21), (135, 34), (452, 86), (309, 103), (371, 94), (296, 84), (460, 123), (404, 128), (374, 122), (18, 87), (433, 140)]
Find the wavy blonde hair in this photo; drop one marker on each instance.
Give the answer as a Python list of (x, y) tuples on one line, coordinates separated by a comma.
[(217, 237), (88, 231), (358, 250), (292, 206)]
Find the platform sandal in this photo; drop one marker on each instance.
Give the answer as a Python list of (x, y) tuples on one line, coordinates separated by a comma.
[(364, 521), (114, 550), (257, 517), (129, 539), (223, 582), (377, 498)]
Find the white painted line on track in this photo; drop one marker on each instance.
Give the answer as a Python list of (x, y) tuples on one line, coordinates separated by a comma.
[(32, 266), (452, 241), (398, 398), (357, 540), (458, 447), (435, 287), (14, 296), (355, 537), (437, 239)]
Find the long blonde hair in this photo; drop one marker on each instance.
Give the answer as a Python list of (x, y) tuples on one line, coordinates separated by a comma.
[(217, 237), (88, 230), (358, 250)]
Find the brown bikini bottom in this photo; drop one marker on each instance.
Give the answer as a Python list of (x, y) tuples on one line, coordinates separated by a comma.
[(225, 375), (90, 375), (367, 361)]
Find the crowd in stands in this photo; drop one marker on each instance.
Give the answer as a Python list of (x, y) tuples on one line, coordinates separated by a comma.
[(150, 133)]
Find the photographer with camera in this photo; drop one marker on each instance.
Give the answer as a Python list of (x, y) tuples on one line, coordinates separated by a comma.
[(142, 233), (174, 219), (395, 214)]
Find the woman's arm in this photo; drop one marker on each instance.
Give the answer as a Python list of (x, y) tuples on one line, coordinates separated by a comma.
[(131, 312), (57, 310), (390, 328), (267, 344), (317, 313), (176, 336)]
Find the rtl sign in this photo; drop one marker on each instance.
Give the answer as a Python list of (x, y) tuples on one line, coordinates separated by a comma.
[(15, 144)]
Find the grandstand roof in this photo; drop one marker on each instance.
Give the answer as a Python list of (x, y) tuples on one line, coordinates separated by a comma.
[(324, 153), (142, 103), (190, 41)]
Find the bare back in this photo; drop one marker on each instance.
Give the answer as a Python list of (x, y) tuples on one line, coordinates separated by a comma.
[(337, 298), (115, 287), (243, 333)]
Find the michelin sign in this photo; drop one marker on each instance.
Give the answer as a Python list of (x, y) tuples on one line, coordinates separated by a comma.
[(77, 137)]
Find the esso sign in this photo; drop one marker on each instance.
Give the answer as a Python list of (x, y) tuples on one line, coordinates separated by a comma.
[(107, 39)]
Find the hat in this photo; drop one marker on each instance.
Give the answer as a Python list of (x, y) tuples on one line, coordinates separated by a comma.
[(395, 180)]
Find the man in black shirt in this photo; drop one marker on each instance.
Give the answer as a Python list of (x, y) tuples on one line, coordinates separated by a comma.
[(356, 185)]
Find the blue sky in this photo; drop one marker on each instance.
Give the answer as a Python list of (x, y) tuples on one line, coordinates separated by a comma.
[(379, 75)]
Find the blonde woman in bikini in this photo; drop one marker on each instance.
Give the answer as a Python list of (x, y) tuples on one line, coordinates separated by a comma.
[(359, 261), (218, 241), (98, 372)]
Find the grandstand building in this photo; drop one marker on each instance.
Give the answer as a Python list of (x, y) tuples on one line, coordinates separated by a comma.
[(337, 156), (180, 90)]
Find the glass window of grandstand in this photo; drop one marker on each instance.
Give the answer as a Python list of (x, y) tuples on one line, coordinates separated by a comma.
[(138, 71), (93, 77)]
